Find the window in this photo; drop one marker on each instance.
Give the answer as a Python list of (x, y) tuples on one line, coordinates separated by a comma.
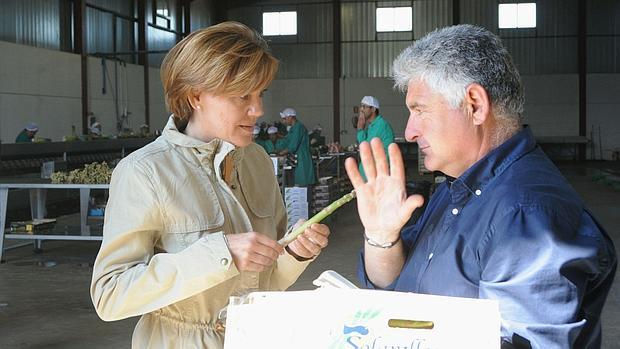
[(394, 19), (161, 13), (280, 23), (521, 15)]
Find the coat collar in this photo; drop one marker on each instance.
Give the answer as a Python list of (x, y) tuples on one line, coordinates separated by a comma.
[(214, 151)]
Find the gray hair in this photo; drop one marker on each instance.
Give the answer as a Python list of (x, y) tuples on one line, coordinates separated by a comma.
[(450, 59)]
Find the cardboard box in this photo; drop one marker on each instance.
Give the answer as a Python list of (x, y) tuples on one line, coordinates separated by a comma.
[(338, 318)]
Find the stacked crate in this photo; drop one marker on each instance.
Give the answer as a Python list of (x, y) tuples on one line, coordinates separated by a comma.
[(296, 200), (324, 193)]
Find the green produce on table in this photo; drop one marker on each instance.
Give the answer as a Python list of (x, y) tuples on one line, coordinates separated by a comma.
[(94, 173)]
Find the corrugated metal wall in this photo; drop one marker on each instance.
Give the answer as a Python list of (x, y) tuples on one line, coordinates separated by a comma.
[(604, 36), (100, 32), (551, 48), (309, 54), (30, 22)]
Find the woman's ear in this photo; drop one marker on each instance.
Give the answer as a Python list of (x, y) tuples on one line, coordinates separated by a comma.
[(477, 103), (194, 100)]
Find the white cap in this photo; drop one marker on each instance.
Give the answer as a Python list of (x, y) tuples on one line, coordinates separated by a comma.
[(272, 130), (370, 101), (288, 112), (95, 128), (256, 130), (32, 127)]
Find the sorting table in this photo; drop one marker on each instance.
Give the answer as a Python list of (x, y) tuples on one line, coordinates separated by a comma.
[(38, 194)]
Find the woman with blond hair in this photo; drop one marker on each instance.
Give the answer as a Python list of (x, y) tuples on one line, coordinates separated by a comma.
[(193, 217)]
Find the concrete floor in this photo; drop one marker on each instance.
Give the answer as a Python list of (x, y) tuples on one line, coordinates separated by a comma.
[(45, 302)]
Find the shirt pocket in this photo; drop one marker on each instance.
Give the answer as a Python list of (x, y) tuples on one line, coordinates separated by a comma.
[(191, 216), (257, 187)]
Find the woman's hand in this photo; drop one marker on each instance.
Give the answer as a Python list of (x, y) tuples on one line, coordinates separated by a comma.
[(253, 251), (311, 242), (382, 201)]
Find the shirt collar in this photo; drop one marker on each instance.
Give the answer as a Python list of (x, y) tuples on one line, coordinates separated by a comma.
[(213, 151), (474, 179), (374, 121)]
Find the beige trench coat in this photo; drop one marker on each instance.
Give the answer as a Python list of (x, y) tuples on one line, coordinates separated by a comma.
[(163, 254)]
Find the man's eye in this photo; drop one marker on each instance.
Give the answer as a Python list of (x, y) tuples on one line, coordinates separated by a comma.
[(245, 97)]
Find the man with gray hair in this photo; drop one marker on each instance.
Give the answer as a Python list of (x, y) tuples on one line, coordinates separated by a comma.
[(506, 225)]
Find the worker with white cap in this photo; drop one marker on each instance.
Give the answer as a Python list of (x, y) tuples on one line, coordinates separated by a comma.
[(274, 144), (27, 134), (256, 136), (371, 124), (95, 130), (298, 143)]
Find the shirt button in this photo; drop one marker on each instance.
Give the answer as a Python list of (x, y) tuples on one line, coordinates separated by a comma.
[(478, 192), (455, 211), (430, 256), (224, 261)]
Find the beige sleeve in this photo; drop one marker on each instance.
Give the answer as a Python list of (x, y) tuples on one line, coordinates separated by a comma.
[(129, 279)]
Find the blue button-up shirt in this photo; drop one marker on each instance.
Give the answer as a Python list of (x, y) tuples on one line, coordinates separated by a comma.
[(511, 228)]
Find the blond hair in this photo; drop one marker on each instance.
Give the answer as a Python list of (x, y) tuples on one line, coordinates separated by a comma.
[(225, 59)]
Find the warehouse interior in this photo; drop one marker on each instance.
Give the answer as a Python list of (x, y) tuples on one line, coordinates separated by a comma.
[(67, 65)]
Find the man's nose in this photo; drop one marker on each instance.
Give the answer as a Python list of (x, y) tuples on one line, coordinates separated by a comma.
[(411, 130)]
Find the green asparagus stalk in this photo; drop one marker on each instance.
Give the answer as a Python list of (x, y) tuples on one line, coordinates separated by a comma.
[(287, 239)]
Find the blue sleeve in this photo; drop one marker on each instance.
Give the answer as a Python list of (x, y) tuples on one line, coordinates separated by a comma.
[(538, 264)]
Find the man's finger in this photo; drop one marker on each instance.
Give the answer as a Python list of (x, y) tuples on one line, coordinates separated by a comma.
[(379, 155), (353, 172), (368, 161), (397, 166), (413, 202)]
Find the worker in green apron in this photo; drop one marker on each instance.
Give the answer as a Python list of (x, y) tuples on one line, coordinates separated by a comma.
[(274, 144), (371, 124), (298, 143)]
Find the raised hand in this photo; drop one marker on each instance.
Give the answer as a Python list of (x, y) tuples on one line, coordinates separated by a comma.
[(361, 121), (253, 251), (382, 201)]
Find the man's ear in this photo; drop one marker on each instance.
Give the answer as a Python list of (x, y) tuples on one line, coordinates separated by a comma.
[(477, 103)]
